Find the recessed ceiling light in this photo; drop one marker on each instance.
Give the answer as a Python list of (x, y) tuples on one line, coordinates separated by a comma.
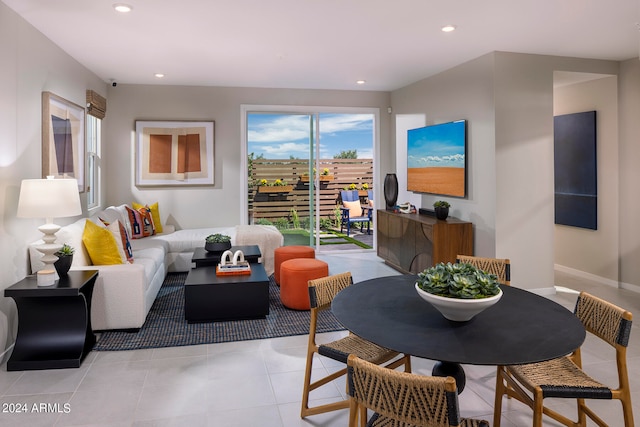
[(122, 8), (361, 82), (448, 28), (159, 75)]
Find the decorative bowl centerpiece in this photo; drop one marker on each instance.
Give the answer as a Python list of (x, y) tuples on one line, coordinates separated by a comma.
[(458, 291), (217, 242)]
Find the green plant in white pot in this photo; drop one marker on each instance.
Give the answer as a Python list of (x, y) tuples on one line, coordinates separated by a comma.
[(458, 291)]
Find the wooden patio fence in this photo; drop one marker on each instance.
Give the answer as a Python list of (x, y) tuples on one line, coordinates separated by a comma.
[(273, 202)]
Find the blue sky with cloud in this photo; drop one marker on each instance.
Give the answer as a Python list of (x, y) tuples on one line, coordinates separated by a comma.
[(437, 146), (279, 136)]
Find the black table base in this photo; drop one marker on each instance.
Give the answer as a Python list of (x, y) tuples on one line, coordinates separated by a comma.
[(451, 369)]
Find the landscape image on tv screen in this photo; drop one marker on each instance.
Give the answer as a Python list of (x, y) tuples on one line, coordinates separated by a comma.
[(436, 159)]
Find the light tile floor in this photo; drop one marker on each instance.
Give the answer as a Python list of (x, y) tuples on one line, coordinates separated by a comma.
[(255, 383)]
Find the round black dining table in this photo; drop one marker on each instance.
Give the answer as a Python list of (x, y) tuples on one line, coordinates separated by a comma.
[(520, 328)]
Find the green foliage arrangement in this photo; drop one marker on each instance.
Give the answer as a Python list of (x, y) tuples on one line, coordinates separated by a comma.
[(66, 250), (217, 238), (458, 280), (441, 204)]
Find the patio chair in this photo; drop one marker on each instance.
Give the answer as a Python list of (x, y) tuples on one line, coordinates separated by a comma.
[(501, 267), (321, 294), (564, 377), (400, 398), (353, 212)]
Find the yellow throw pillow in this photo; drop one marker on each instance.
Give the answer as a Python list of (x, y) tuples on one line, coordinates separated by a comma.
[(100, 244), (354, 207), (155, 214)]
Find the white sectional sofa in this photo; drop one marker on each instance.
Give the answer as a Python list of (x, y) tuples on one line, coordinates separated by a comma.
[(124, 293)]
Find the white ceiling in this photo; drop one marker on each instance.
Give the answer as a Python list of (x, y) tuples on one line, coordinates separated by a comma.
[(323, 44)]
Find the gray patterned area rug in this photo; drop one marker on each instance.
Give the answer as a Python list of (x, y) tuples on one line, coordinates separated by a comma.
[(165, 325)]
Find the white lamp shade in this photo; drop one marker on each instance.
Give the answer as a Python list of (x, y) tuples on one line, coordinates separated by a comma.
[(49, 198)]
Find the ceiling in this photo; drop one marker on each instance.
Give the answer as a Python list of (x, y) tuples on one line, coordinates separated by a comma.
[(322, 44)]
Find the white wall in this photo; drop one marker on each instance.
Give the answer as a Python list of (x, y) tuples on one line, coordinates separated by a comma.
[(507, 99), (594, 252), (207, 206), (464, 92), (403, 123), (524, 160), (629, 173), (29, 65)]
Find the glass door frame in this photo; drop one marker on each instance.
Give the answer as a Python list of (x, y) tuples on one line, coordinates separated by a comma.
[(314, 112)]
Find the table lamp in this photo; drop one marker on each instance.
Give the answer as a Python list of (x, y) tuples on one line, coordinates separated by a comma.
[(48, 198)]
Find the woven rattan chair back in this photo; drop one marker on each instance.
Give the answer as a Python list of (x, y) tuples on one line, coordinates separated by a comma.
[(501, 267), (400, 397), (322, 291), (607, 321)]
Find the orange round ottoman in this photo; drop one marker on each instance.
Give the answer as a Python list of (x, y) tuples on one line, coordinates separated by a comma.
[(295, 275), (284, 253)]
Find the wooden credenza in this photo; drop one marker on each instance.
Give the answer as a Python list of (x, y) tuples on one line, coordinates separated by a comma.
[(411, 243)]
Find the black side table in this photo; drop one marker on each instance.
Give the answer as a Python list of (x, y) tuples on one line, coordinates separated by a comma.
[(54, 322)]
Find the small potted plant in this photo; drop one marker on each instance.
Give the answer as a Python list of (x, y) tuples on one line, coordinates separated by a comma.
[(65, 258), (442, 209), (217, 242)]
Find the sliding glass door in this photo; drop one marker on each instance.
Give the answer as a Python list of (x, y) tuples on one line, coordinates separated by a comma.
[(297, 165)]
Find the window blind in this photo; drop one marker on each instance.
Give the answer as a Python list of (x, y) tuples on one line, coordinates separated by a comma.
[(96, 104)]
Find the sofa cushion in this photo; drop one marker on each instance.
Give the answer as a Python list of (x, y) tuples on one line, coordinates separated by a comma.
[(122, 238), (355, 209), (155, 214), (101, 245), (141, 222)]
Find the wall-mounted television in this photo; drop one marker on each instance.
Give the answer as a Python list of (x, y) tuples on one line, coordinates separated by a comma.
[(436, 159)]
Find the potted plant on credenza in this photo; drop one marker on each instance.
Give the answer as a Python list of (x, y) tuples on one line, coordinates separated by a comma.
[(442, 209)]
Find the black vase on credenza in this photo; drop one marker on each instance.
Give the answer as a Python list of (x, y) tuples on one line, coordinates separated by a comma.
[(390, 190)]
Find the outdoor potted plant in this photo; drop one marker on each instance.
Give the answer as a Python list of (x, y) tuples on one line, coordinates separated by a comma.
[(65, 258), (459, 291), (442, 209), (325, 175), (277, 186), (217, 242)]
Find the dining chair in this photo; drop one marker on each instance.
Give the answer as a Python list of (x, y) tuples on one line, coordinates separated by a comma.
[(403, 399), (321, 294), (564, 377), (501, 267)]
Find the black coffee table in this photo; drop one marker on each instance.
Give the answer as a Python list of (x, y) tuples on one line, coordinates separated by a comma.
[(521, 328), (209, 297), (203, 258)]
